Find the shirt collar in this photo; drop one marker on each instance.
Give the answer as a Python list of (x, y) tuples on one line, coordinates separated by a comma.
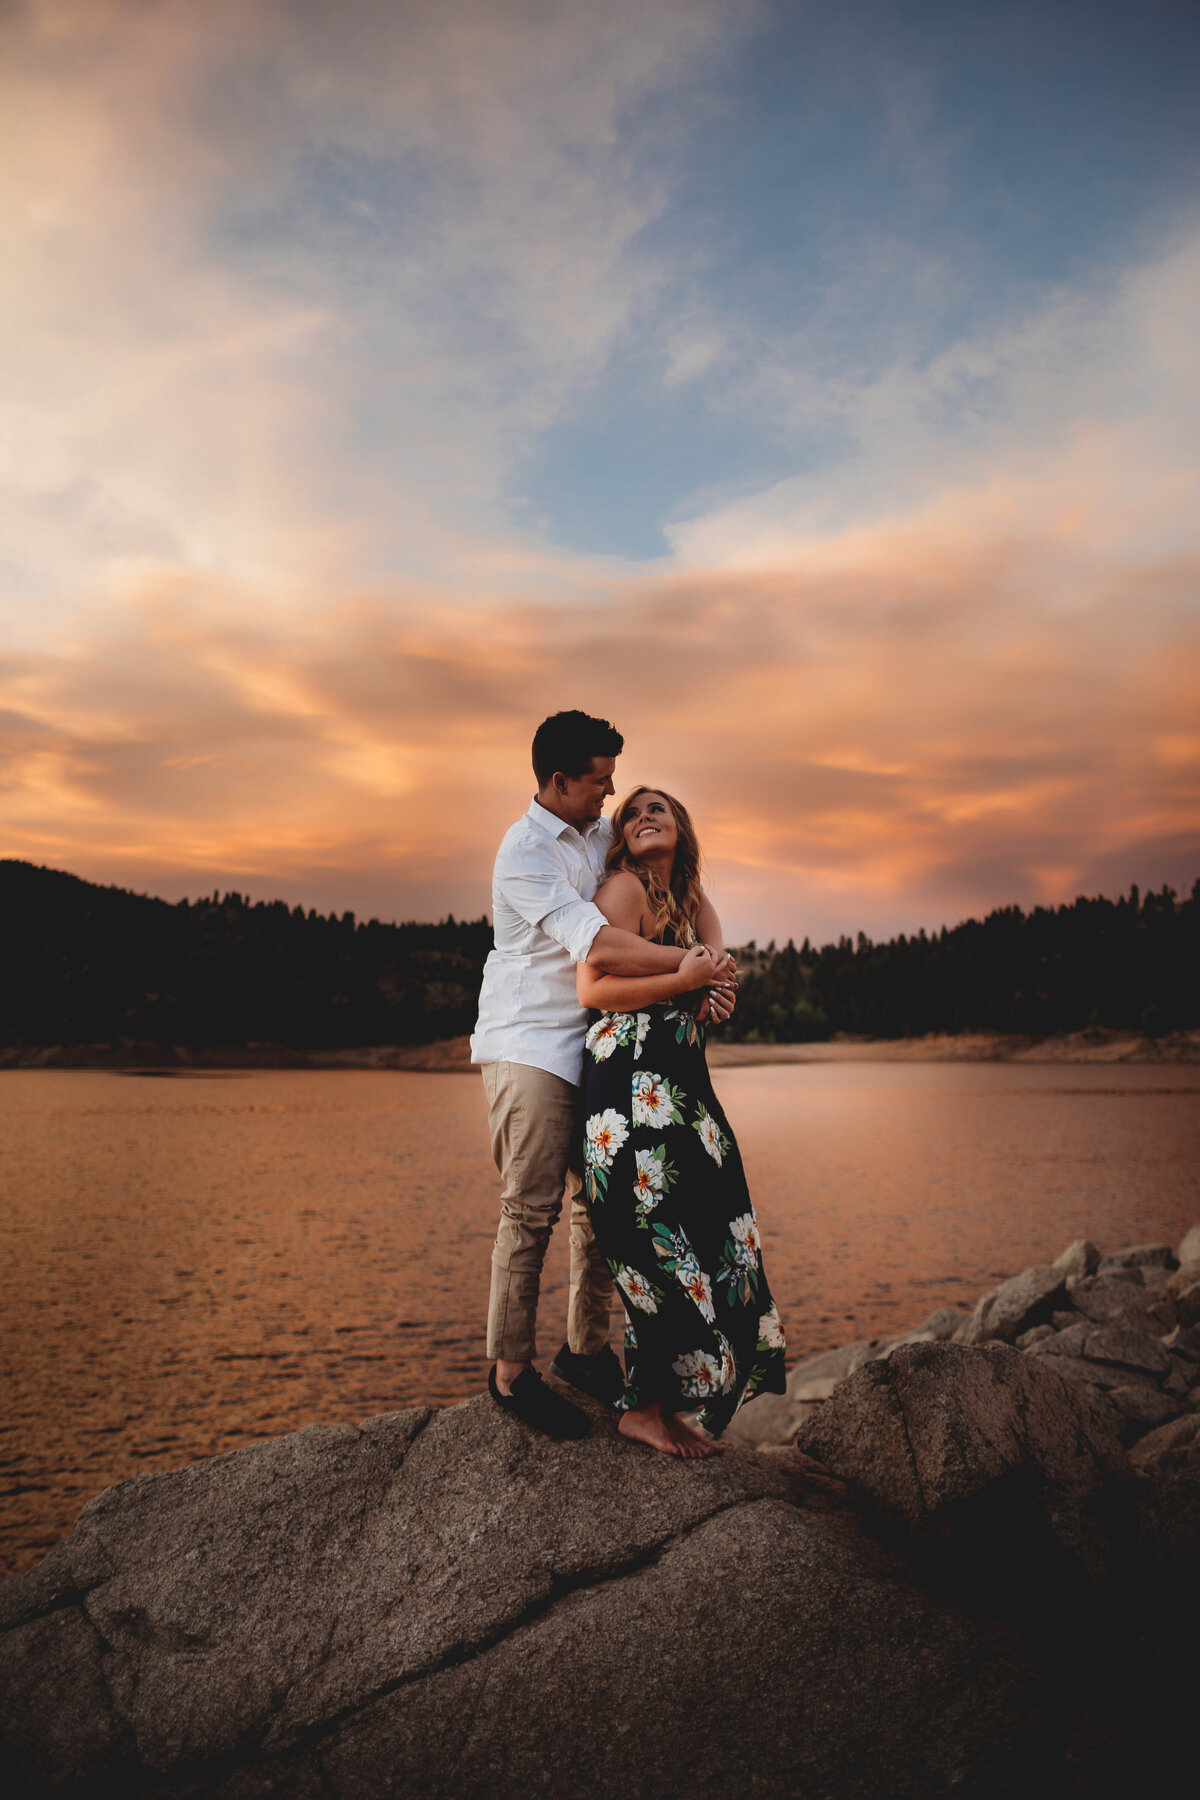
[(553, 825)]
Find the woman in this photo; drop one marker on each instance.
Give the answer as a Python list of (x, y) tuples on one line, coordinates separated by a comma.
[(664, 1182)]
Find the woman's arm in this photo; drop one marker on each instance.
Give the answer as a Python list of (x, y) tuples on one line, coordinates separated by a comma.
[(717, 1005), (708, 928)]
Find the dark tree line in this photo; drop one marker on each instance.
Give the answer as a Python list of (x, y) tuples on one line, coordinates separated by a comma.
[(1128, 963), (83, 964)]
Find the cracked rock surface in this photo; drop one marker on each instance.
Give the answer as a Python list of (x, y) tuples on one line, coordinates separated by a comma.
[(446, 1604)]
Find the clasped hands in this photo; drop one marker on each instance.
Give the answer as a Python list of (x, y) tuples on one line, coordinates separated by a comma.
[(717, 974)]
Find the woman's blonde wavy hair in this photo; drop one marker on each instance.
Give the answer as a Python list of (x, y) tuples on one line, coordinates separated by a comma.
[(678, 905)]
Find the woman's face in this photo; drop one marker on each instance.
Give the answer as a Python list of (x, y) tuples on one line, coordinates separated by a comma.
[(648, 826)]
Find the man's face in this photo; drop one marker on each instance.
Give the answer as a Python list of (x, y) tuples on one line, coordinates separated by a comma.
[(583, 801)]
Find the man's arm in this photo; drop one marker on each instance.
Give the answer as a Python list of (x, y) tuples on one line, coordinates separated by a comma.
[(625, 993), (615, 951), (603, 933)]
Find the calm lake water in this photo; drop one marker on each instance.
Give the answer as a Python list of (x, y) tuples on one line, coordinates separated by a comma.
[(191, 1263)]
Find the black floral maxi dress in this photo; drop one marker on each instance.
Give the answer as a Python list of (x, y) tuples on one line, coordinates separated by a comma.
[(673, 1219)]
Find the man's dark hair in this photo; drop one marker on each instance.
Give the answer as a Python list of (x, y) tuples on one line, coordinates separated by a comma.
[(566, 742)]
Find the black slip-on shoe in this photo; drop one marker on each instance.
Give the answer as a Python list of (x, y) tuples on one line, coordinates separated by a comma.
[(539, 1406), (600, 1375)]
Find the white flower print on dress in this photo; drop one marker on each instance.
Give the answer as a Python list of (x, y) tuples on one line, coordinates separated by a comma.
[(609, 1030), (688, 1269), (649, 1176), (740, 1267), (679, 1259), (700, 1288), (605, 1132), (647, 1181), (728, 1363), (744, 1232), (643, 1026), (699, 1374), (710, 1135), (652, 1178), (637, 1290), (770, 1331), (654, 1100)]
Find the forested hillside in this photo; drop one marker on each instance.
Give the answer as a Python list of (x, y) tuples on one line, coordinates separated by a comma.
[(84, 964), (1128, 963), (87, 964)]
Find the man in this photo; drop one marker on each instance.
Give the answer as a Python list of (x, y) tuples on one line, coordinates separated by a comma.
[(529, 1041)]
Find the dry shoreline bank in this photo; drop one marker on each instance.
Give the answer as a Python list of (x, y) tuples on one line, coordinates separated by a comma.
[(452, 1055)]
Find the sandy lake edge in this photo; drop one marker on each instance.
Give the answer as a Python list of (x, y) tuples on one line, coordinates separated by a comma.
[(452, 1055)]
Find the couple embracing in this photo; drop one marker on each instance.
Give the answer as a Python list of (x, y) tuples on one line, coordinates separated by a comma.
[(608, 965)]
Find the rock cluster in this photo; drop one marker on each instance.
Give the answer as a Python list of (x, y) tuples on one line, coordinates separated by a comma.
[(1125, 1327), (975, 1576)]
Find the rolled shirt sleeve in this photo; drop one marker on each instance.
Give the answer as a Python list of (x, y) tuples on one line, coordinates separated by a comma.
[(575, 927), (543, 895)]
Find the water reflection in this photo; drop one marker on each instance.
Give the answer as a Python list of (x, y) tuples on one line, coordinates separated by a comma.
[(191, 1263)]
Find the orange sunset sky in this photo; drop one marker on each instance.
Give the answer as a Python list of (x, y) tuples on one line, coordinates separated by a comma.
[(812, 391)]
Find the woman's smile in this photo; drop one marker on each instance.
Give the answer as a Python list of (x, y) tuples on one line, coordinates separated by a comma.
[(649, 824)]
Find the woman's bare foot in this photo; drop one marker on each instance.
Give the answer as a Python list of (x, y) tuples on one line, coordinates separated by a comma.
[(661, 1430), (650, 1425), (707, 1446)]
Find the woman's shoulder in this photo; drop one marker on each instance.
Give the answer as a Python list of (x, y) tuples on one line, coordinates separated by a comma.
[(621, 881), (621, 892)]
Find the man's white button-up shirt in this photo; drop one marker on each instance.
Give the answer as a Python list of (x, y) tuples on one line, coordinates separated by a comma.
[(544, 923)]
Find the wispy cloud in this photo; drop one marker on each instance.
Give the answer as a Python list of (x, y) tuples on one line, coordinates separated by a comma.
[(1075, 420), (289, 284)]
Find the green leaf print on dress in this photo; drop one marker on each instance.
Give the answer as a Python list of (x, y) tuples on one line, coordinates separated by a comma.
[(605, 1132), (686, 1029), (655, 1101)]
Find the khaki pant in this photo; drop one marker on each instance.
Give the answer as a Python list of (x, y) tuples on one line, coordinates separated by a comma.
[(531, 1116)]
